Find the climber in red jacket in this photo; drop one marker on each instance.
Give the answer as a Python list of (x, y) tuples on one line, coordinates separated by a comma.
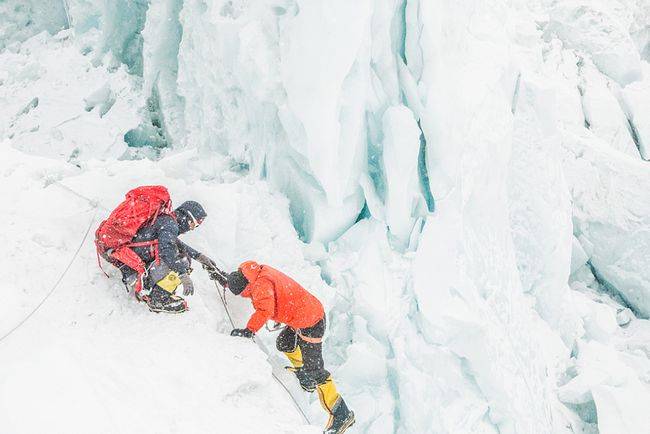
[(277, 297)]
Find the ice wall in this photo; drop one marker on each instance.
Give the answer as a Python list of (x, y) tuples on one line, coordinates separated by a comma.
[(122, 25), (540, 206), (467, 284), (612, 217), (324, 68), (603, 111), (401, 147), (635, 101), (601, 29), (271, 98), (287, 90), (22, 19), (162, 36)]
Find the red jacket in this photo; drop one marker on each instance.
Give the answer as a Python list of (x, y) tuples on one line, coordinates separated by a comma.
[(278, 297)]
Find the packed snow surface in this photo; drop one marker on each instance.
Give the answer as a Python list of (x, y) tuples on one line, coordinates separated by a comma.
[(94, 360), (465, 185)]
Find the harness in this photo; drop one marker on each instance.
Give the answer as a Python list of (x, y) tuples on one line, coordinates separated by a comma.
[(308, 338), (278, 326)]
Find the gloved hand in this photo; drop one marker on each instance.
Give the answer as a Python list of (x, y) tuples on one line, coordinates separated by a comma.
[(208, 263), (187, 262), (216, 275), (243, 333), (188, 285)]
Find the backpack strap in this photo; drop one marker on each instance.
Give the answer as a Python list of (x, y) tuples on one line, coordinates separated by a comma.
[(153, 248), (99, 262)]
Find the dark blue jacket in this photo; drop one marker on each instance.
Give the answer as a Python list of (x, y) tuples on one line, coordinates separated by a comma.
[(171, 250)]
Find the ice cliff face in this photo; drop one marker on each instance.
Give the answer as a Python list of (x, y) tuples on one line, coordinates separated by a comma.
[(471, 177)]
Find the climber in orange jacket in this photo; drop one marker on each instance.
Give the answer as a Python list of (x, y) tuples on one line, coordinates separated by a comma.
[(277, 297)]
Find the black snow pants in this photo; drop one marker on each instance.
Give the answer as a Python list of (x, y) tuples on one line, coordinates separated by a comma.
[(312, 353)]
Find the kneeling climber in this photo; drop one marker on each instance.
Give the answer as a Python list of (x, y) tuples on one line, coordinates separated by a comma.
[(140, 238), (277, 297)]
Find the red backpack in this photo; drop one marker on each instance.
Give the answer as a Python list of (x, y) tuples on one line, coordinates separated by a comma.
[(114, 236)]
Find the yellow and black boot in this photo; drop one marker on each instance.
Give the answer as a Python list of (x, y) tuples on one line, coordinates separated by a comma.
[(341, 417), (297, 367)]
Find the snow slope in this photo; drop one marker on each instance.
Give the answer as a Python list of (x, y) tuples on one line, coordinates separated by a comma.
[(464, 184), (91, 359)]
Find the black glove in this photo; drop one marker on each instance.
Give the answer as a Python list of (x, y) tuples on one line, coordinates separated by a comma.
[(242, 333), (207, 263), (188, 286), (187, 262), (216, 275)]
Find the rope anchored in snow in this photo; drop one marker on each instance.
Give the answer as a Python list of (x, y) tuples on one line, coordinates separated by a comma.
[(286, 389), (222, 297), (94, 203), (56, 284)]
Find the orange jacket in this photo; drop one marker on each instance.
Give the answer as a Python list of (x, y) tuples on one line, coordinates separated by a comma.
[(278, 297)]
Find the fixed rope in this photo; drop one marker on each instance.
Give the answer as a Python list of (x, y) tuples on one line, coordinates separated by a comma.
[(94, 203), (222, 297), (56, 284)]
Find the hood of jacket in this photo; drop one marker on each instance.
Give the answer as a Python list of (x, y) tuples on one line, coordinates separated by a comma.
[(188, 211), (251, 270)]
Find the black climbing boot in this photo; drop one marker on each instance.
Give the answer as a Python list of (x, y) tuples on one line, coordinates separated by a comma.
[(341, 419), (160, 300)]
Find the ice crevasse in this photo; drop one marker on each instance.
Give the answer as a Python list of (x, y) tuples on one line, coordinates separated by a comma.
[(469, 178)]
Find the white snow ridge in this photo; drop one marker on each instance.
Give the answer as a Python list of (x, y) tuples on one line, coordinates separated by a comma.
[(464, 184)]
